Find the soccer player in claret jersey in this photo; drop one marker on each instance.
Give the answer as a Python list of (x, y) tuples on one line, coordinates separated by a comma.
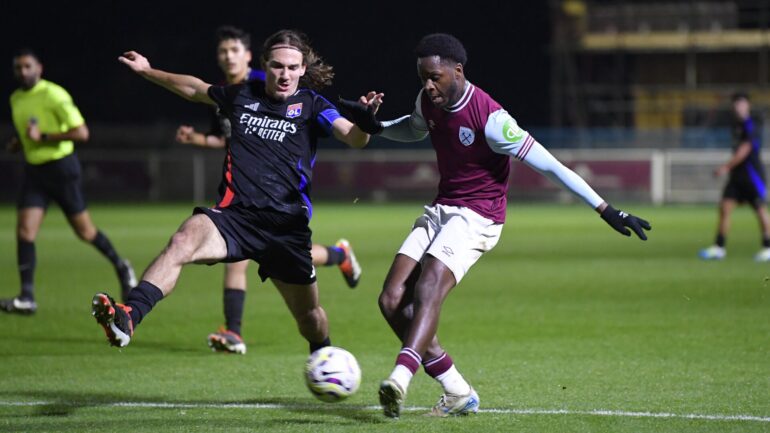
[(746, 182), (474, 138), (47, 125), (233, 57), (265, 208)]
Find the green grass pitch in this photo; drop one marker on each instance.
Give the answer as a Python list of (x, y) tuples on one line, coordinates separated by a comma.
[(564, 327)]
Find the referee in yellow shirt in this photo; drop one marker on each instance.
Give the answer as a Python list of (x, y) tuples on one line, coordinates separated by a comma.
[(47, 124)]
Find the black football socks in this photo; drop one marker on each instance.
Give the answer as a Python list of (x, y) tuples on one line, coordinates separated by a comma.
[(141, 299), (26, 259), (316, 346), (336, 255), (103, 244), (234, 300)]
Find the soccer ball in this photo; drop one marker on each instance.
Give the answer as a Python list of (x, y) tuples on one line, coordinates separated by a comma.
[(332, 374)]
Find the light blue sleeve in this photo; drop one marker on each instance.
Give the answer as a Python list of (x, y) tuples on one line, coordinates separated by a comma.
[(411, 127), (505, 136)]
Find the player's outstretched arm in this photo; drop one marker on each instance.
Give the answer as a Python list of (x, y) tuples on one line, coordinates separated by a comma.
[(358, 132), (504, 136), (186, 86), (350, 134), (544, 162), (622, 221), (363, 112)]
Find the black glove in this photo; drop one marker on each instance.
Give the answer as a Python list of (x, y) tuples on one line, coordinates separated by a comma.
[(619, 220), (362, 115)]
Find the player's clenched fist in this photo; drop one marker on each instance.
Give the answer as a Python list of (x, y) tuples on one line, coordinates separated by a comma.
[(137, 62)]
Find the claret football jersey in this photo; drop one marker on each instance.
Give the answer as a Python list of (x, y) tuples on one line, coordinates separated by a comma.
[(472, 174)]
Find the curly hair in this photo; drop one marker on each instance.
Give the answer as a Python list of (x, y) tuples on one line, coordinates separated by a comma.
[(446, 46), (317, 73)]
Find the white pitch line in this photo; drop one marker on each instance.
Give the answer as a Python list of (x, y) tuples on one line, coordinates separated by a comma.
[(597, 412)]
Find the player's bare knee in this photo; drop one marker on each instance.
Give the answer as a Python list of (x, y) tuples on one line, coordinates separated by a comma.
[(180, 247), (391, 296), (388, 303), (86, 234), (25, 233)]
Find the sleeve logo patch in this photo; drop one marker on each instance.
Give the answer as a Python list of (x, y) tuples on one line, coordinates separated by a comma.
[(466, 136), (294, 110), (511, 131)]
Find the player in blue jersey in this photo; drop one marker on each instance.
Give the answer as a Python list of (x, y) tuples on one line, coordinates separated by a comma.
[(265, 208), (746, 182), (234, 56)]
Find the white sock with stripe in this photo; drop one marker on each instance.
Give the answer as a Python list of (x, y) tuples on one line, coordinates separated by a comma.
[(407, 363)]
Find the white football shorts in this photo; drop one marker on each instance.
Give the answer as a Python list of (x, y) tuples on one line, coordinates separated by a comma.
[(455, 235)]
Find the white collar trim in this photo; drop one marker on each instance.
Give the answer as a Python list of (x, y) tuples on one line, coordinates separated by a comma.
[(467, 93)]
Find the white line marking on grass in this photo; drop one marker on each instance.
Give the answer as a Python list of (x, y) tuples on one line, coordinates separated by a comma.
[(597, 412), (627, 414)]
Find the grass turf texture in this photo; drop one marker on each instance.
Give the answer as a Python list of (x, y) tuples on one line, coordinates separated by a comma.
[(563, 314)]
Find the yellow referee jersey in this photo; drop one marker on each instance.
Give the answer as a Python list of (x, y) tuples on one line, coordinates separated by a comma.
[(52, 107)]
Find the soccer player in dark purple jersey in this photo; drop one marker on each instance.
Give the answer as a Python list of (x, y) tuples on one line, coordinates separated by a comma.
[(234, 56), (745, 184), (265, 208), (474, 138)]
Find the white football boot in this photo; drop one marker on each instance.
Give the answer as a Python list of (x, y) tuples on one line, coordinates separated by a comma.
[(18, 305), (713, 252), (456, 405), (763, 255)]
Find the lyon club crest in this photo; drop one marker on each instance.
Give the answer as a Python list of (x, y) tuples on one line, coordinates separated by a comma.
[(466, 136), (294, 110)]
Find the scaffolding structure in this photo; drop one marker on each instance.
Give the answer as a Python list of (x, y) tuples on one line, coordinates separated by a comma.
[(656, 64)]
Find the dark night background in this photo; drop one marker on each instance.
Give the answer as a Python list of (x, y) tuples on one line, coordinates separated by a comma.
[(369, 43)]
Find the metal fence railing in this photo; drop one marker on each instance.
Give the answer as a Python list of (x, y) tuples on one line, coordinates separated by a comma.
[(621, 174)]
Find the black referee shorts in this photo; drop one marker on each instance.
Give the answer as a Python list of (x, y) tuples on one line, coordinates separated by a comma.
[(58, 180), (278, 241)]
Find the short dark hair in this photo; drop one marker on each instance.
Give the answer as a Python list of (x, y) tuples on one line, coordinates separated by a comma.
[(443, 45), (26, 52), (225, 33), (737, 96)]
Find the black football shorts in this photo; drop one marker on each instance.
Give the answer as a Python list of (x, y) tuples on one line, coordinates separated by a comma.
[(58, 180), (278, 241)]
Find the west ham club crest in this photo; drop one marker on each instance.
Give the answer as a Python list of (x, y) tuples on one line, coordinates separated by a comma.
[(466, 136)]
